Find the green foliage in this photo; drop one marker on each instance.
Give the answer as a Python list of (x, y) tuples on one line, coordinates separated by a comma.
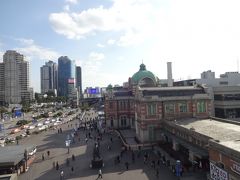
[(3, 109), (22, 122)]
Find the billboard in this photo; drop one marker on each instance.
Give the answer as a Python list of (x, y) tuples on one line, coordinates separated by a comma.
[(216, 173), (93, 91), (71, 81)]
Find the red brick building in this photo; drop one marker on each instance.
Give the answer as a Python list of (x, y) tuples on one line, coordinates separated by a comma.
[(143, 105), (178, 118)]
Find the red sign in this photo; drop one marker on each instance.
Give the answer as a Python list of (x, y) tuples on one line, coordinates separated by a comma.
[(71, 81)]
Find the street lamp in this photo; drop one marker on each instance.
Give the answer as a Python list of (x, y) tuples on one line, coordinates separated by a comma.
[(25, 158)]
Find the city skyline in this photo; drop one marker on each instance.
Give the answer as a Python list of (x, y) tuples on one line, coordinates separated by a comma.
[(109, 39)]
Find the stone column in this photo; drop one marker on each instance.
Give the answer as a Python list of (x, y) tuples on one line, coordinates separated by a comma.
[(175, 145), (191, 156)]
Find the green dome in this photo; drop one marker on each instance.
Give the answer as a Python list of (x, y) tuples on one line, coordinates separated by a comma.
[(142, 74)]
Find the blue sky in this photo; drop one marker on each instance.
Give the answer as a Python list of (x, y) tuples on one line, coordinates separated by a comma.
[(110, 38)]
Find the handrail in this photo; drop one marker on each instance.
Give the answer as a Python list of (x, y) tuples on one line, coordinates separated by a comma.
[(133, 145)]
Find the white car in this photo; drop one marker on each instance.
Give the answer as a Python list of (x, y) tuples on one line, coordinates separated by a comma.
[(55, 124), (46, 122), (53, 120), (33, 151), (31, 127), (43, 127), (39, 124)]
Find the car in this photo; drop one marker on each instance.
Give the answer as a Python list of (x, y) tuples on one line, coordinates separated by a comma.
[(46, 122), (53, 120), (33, 151), (43, 127), (25, 127), (23, 134), (55, 124), (31, 127), (39, 124), (16, 130)]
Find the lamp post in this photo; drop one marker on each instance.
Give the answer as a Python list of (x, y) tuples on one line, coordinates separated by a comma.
[(25, 158)]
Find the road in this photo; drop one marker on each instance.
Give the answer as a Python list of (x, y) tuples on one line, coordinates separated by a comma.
[(11, 123)]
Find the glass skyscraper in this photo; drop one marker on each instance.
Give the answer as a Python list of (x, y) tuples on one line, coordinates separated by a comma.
[(66, 71)]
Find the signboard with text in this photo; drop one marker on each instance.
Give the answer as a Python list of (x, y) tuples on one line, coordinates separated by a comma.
[(235, 167), (216, 173)]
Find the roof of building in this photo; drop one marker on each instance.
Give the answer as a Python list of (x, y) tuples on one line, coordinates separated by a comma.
[(123, 93), (172, 91), (225, 133), (143, 73), (12, 155)]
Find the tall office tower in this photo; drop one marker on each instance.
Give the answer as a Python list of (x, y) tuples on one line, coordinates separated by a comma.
[(79, 80), (49, 77), (1, 83), (16, 77), (66, 71)]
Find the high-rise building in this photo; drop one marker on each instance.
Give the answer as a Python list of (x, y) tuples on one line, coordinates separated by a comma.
[(66, 71), (16, 78), (49, 77), (1, 83), (79, 80)]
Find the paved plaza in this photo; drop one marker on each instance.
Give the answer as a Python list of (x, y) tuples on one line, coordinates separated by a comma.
[(54, 142)]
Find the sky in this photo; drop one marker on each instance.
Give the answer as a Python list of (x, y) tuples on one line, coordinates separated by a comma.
[(109, 39)]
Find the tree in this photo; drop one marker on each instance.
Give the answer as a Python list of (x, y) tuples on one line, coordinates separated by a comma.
[(2, 111)]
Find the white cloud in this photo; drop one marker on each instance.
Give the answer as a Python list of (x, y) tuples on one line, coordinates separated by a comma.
[(92, 69), (94, 56), (71, 1), (111, 41), (34, 51), (132, 17), (66, 8), (100, 45), (201, 35), (25, 41)]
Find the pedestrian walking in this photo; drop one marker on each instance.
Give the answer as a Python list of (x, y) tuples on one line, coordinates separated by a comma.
[(111, 139), (53, 164), (86, 140), (126, 164), (43, 157), (144, 160), (73, 157), (57, 166), (48, 153), (67, 162), (99, 174), (133, 157), (72, 169), (61, 175), (157, 173)]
